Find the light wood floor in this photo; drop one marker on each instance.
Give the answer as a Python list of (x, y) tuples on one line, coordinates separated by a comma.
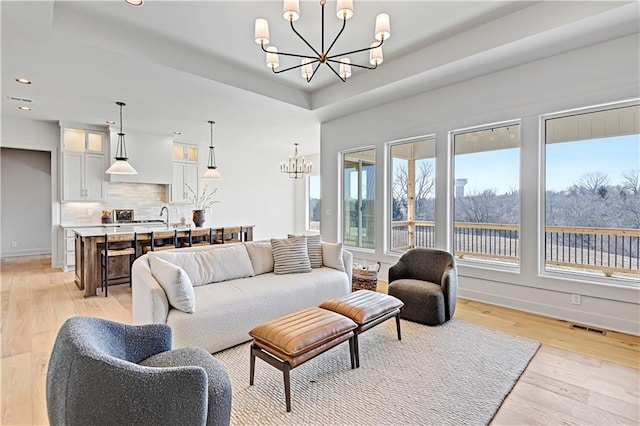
[(575, 378)]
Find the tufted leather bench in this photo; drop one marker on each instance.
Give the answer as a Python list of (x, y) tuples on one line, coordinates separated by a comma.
[(367, 309), (291, 340)]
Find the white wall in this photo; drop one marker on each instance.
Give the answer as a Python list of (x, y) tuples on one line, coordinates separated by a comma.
[(26, 202), (597, 74)]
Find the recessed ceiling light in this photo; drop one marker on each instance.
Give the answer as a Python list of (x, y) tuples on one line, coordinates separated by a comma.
[(24, 108), (23, 80), (135, 2), (177, 133), (110, 122)]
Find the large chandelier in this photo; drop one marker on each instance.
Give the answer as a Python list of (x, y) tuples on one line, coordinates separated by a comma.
[(295, 166), (344, 11)]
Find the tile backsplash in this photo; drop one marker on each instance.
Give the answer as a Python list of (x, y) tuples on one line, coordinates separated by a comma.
[(145, 199)]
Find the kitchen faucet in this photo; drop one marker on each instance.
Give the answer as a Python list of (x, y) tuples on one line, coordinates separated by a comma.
[(162, 210)]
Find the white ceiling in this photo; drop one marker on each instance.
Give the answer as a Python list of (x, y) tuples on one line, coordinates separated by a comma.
[(178, 64)]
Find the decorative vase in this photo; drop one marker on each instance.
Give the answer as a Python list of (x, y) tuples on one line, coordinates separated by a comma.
[(198, 218)]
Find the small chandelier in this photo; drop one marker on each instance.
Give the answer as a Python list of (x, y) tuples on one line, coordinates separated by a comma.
[(295, 166), (344, 11), (121, 166), (212, 170)]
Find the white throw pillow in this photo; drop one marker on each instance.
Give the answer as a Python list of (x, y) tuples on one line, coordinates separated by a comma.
[(227, 263), (176, 284), (314, 249), (290, 256), (195, 266), (332, 256), (261, 256)]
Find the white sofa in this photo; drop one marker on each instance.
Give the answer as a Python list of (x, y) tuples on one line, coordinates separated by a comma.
[(226, 311)]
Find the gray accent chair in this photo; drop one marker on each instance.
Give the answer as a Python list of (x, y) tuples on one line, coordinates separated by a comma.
[(104, 372), (426, 280)]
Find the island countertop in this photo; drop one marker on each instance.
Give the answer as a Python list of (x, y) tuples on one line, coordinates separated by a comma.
[(90, 240)]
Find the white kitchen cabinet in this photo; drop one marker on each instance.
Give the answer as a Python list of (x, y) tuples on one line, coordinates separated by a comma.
[(183, 174), (82, 176), (83, 165), (185, 171)]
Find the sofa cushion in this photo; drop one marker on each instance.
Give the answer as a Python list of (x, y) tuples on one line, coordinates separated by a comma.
[(332, 256), (176, 284), (261, 256), (209, 266), (314, 249), (290, 255)]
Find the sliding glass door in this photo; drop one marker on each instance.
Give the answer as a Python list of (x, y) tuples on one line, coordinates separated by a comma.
[(359, 199)]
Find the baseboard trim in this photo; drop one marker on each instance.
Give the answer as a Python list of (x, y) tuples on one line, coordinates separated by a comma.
[(586, 318), (22, 253)]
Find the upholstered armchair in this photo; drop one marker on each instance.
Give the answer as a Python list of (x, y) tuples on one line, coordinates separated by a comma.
[(104, 372), (426, 281)]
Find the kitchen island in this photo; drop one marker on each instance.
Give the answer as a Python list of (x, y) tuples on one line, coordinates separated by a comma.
[(90, 241)]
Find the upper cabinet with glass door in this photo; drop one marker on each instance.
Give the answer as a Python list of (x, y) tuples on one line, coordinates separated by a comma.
[(83, 165)]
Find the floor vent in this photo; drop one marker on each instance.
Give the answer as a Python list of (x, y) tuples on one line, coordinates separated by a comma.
[(587, 328)]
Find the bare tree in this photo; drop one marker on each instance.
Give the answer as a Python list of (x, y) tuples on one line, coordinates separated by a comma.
[(425, 181), (592, 183), (631, 181), (478, 208)]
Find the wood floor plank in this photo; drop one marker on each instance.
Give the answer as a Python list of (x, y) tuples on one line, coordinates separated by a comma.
[(17, 390)]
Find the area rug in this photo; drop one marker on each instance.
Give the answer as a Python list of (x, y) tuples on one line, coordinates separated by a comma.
[(454, 374)]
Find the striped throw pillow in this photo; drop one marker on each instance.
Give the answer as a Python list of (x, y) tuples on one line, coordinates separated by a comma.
[(314, 248), (290, 256)]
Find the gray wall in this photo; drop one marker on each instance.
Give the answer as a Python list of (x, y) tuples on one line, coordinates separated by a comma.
[(25, 194), (597, 74)]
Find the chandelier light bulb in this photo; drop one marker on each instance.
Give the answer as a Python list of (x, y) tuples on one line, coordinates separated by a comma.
[(273, 61), (345, 68), (383, 27), (262, 31), (307, 70), (375, 54), (344, 9), (291, 10)]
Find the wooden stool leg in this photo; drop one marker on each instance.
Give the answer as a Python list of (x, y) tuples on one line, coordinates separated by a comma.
[(287, 384), (352, 352), (252, 365), (356, 349), (398, 326)]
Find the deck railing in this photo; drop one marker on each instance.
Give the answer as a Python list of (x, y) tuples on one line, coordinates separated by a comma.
[(608, 250)]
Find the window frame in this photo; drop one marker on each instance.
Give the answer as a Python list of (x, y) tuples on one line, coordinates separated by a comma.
[(569, 276), (308, 230), (388, 186), (477, 262), (341, 157)]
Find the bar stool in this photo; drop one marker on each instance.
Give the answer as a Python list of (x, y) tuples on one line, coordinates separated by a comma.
[(198, 237), (161, 235), (112, 250), (228, 235)]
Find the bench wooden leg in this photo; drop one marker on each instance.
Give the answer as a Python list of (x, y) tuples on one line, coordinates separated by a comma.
[(286, 368), (352, 350), (356, 349), (252, 364), (398, 326)]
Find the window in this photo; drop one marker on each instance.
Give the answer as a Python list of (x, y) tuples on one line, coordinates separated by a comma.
[(486, 194), (413, 179), (592, 192), (314, 210), (359, 192)]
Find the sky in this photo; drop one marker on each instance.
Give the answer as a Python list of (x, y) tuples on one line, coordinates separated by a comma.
[(566, 163)]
